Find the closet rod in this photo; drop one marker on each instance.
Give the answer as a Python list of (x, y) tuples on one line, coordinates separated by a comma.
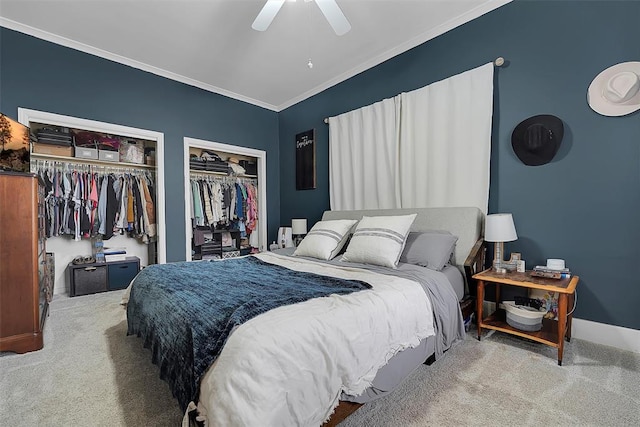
[(88, 167), (225, 178), (498, 62)]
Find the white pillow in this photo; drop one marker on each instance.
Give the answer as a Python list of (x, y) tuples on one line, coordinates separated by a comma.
[(379, 240), (325, 239)]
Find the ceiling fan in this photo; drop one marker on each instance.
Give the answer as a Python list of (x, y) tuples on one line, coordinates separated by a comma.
[(329, 9)]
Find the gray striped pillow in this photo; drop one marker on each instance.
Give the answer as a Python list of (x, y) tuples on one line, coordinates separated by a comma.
[(325, 239), (379, 240)]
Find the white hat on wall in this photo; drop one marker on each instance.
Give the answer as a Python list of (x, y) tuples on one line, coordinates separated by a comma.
[(616, 90)]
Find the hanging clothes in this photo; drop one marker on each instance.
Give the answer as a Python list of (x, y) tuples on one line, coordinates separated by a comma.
[(223, 202), (82, 201)]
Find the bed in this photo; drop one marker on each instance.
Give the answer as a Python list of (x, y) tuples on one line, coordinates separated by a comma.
[(294, 363)]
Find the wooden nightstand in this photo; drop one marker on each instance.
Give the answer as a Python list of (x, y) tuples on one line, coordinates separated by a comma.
[(552, 332)]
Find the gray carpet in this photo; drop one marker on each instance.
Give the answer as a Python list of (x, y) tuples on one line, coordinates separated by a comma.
[(91, 374)]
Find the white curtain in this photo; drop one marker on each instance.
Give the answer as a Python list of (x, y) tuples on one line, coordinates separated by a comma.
[(363, 150), (434, 151), (445, 142)]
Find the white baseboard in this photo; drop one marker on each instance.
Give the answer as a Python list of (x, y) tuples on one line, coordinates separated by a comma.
[(601, 333)]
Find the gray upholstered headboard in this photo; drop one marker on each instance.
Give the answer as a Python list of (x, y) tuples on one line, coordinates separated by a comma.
[(466, 223)]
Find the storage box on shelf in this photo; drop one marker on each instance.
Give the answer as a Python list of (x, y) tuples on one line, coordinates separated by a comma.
[(54, 135), (108, 155), (86, 151), (53, 150), (89, 145), (250, 167), (108, 148), (132, 151)]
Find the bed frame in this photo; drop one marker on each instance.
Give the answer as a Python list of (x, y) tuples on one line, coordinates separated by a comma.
[(469, 255)]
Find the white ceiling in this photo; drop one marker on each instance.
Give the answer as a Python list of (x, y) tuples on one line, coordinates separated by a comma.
[(210, 44)]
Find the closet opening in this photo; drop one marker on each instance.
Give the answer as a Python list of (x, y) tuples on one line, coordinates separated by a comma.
[(225, 199), (76, 157)]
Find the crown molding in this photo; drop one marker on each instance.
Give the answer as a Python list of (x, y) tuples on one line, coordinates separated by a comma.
[(63, 41)]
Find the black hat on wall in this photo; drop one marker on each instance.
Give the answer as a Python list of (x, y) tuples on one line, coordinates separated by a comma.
[(536, 140)]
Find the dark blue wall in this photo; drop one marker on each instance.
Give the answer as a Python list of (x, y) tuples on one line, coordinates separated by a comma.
[(589, 211), (584, 206), (44, 76)]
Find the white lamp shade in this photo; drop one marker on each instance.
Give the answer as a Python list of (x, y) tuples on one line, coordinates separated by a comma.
[(500, 228), (299, 226)]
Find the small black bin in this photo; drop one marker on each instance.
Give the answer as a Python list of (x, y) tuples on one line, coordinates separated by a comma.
[(88, 280)]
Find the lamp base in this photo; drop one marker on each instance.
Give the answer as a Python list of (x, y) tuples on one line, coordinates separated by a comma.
[(499, 265), (504, 266)]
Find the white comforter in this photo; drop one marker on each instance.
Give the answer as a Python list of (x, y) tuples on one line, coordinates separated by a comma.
[(290, 365)]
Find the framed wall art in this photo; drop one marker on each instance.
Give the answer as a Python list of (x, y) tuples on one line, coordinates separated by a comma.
[(306, 160)]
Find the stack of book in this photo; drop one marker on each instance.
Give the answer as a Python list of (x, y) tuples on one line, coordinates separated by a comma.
[(115, 254), (550, 273)]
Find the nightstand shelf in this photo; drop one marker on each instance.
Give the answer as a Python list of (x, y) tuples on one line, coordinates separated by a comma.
[(547, 335), (552, 332)]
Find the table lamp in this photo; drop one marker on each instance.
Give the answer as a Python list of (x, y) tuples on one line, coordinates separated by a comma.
[(499, 228), (298, 229)]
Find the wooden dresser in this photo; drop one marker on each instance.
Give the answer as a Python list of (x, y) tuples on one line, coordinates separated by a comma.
[(25, 285)]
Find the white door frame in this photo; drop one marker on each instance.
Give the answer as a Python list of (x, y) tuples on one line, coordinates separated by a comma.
[(26, 116), (262, 185)]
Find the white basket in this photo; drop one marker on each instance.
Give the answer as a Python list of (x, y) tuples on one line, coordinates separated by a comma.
[(523, 317)]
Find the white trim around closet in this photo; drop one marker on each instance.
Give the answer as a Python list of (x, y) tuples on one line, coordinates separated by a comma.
[(26, 116), (262, 185)]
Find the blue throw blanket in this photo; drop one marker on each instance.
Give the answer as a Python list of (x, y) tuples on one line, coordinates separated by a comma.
[(186, 310)]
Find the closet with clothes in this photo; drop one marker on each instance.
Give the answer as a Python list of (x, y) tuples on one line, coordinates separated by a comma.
[(103, 193), (83, 200), (224, 204)]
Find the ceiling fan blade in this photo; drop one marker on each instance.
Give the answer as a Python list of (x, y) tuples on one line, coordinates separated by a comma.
[(334, 15), (266, 15)]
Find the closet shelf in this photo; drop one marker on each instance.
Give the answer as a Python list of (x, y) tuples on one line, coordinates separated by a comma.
[(205, 172), (90, 161)]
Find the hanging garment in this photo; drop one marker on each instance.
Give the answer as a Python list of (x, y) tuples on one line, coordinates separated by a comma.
[(111, 207), (217, 201), (131, 215), (122, 217), (197, 203), (67, 214), (206, 195), (102, 206), (138, 222), (149, 210)]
